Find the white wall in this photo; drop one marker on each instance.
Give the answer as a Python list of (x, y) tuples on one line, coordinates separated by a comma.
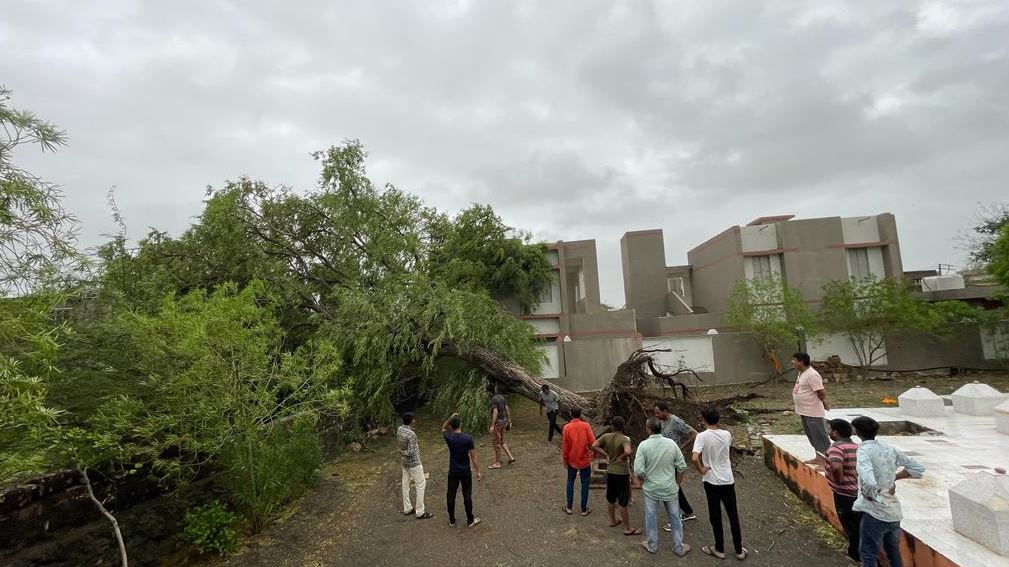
[(759, 238), (838, 344), (860, 230), (690, 352), (551, 368), (545, 326), (995, 344), (554, 305)]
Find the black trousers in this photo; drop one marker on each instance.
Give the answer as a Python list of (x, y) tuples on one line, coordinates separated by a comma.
[(685, 506), (720, 495), (454, 482), (851, 520), (552, 425)]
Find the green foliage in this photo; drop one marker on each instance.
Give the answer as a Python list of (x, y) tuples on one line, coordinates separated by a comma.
[(868, 310), (268, 469), (211, 528), (37, 237), (477, 251), (772, 311), (982, 246), (998, 255)]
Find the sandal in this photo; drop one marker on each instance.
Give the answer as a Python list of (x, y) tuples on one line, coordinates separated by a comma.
[(495, 466), (425, 516), (512, 460), (708, 550), (587, 512), (742, 556), (616, 524), (635, 531)]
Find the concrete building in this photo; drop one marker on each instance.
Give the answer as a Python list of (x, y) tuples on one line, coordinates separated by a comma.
[(583, 342)]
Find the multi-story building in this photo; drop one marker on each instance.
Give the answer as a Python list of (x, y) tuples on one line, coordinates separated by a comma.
[(582, 341)]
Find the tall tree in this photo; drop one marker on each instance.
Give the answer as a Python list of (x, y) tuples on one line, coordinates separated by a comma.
[(773, 312)]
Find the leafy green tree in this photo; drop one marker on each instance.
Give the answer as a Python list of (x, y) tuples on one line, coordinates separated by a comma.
[(998, 255), (867, 310), (773, 312), (991, 223)]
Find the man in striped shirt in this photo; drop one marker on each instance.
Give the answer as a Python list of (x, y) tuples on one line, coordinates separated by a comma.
[(842, 477)]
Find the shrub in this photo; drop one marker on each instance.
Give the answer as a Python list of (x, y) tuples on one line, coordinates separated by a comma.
[(211, 528), (272, 468)]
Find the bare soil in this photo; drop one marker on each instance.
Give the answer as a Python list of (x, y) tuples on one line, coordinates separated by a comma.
[(353, 516)]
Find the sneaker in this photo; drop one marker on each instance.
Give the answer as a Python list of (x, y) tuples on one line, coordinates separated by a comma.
[(687, 517), (667, 527), (473, 523), (408, 513), (686, 550), (425, 516), (451, 523)]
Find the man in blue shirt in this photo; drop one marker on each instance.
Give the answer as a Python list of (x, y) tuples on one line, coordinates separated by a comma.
[(879, 468), (461, 455)]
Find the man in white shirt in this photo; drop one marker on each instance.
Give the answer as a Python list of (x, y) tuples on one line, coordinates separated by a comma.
[(711, 458)]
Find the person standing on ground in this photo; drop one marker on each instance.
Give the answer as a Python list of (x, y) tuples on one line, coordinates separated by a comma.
[(676, 429), (500, 421), (842, 477), (811, 405), (409, 451), (660, 464), (879, 468), (576, 442), (550, 401), (711, 458), (615, 447), (461, 455)]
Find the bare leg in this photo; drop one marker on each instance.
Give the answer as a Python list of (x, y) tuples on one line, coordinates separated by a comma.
[(625, 517), (612, 509), (507, 452)]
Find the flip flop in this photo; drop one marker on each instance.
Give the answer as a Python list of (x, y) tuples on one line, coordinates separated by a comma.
[(616, 524), (708, 550), (510, 461), (587, 512), (635, 531), (494, 467)]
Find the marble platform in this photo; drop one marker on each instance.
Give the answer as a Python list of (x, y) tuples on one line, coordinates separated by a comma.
[(952, 447)]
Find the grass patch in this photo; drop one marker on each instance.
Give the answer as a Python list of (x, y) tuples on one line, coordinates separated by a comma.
[(804, 515)]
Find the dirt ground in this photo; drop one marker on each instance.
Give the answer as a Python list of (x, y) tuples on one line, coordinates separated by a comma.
[(353, 516)]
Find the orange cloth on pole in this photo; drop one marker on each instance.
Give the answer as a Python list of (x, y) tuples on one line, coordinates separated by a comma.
[(576, 438)]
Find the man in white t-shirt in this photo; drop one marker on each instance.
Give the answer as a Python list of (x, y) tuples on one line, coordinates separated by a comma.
[(711, 459), (811, 404)]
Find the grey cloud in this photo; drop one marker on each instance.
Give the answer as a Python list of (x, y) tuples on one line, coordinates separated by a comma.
[(574, 119)]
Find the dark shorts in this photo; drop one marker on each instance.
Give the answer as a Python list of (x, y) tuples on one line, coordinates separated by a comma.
[(816, 431), (618, 489)]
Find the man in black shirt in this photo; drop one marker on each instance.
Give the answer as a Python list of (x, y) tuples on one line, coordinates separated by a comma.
[(461, 455)]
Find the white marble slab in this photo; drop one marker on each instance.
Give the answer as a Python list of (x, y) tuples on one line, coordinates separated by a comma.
[(961, 445)]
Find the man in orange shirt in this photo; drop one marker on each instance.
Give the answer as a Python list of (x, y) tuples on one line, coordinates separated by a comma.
[(576, 450)]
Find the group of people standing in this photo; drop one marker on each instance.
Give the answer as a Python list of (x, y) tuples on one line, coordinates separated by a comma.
[(863, 477)]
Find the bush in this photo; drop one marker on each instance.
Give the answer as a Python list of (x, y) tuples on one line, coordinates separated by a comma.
[(211, 528), (272, 468)]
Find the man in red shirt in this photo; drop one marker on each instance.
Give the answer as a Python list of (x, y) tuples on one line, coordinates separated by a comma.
[(843, 480), (576, 450)]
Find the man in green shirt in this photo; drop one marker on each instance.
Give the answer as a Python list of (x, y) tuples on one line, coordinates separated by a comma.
[(615, 447), (659, 463)]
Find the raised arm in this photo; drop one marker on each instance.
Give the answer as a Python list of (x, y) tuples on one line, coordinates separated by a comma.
[(445, 426)]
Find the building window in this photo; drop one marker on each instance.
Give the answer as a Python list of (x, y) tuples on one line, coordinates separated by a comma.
[(858, 263), (761, 267), (580, 286), (675, 285), (547, 294)]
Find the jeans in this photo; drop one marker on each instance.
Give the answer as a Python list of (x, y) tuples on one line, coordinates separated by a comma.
[(552, 425), (570, 493), (720, 495), (850, 520), (417, 475), (466, 482), (873, 532), (652, 524)]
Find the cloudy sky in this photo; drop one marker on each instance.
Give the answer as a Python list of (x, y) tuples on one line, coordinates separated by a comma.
[(574, 119)]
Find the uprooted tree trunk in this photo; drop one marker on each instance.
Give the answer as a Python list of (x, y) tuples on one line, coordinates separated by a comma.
[(639, 382), (515, 378), (108, 515)]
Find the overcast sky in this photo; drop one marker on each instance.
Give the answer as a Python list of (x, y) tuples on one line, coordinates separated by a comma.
[(573, 119)]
